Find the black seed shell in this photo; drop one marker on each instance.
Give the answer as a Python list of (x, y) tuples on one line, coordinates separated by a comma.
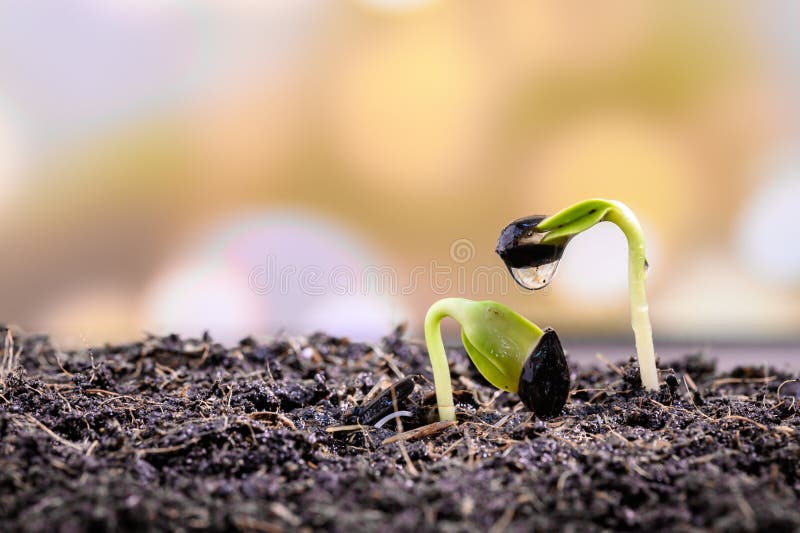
[(511, 234), (383, 404), (544, 383), (518, 245)]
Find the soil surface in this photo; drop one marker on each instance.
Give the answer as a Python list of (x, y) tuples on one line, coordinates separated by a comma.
[(187, 434)]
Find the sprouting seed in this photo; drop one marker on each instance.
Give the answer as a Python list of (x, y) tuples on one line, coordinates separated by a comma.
[(531, 263), (512, 353), (532, 247)]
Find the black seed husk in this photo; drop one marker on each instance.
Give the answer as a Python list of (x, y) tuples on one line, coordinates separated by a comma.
[(383, 404), (517, 250), (544, 383)]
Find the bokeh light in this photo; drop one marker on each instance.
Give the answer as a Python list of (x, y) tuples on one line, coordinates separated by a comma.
[(595, 265), (416, 94), (768, 235), (153, 153), (11, 159), (396, 6), (270, 274)]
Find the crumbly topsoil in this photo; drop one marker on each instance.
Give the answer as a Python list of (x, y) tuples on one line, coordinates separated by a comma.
[(186, 434)]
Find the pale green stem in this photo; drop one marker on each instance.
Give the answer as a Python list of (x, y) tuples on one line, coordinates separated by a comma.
[(441, 370), (623, 217)]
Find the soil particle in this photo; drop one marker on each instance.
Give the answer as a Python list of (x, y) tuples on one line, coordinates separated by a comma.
[(186, 434)]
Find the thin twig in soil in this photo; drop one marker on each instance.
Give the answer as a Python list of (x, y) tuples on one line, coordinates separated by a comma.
[(399, 424), (64, 399), (500, 423), (101, 392), (639, 470), (597, 396), (626, 442), (8, 353), (285, 514), (203, 357), (10, 356), (562, 481), (34, 390), (562, 439), (733, 381), (166, 449), (94, 374), (338, 429), (760, 426), (53, 434), (665, 408), (614, 368), (389, 362), (475, 390), (382, 384), (139, 401), (450, 448), (487, 405), (418, 433), (91, 448), (504, 521), (230, 395), (260, 415), (606, 389), (61, 367), (689, 382), (248, 523)]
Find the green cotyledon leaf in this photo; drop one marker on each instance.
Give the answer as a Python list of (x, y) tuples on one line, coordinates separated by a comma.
[(574, 219), (498, 341)]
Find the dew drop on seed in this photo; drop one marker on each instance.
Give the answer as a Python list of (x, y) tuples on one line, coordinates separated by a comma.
[(533, 265), (531, 262), (535, 277)]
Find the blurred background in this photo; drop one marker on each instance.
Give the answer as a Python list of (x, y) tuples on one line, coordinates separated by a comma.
[(289, 166)]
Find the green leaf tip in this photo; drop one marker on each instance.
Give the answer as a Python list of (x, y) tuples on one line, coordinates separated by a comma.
[(575, 219)]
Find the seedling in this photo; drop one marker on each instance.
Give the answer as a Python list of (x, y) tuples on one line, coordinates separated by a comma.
[(512, 353), (532, 248)]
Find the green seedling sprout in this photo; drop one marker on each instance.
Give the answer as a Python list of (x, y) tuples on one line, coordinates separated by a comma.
[(512, 353), (532, 247)]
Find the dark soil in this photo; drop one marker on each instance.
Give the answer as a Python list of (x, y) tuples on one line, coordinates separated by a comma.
[(186, 434)]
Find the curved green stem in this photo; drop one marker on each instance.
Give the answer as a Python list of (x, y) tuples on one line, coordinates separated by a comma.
[(436, 352), (582, 216), (622, 216)]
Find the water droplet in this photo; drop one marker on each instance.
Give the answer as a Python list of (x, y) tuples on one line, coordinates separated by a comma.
[(531, 263), (535, 277)]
